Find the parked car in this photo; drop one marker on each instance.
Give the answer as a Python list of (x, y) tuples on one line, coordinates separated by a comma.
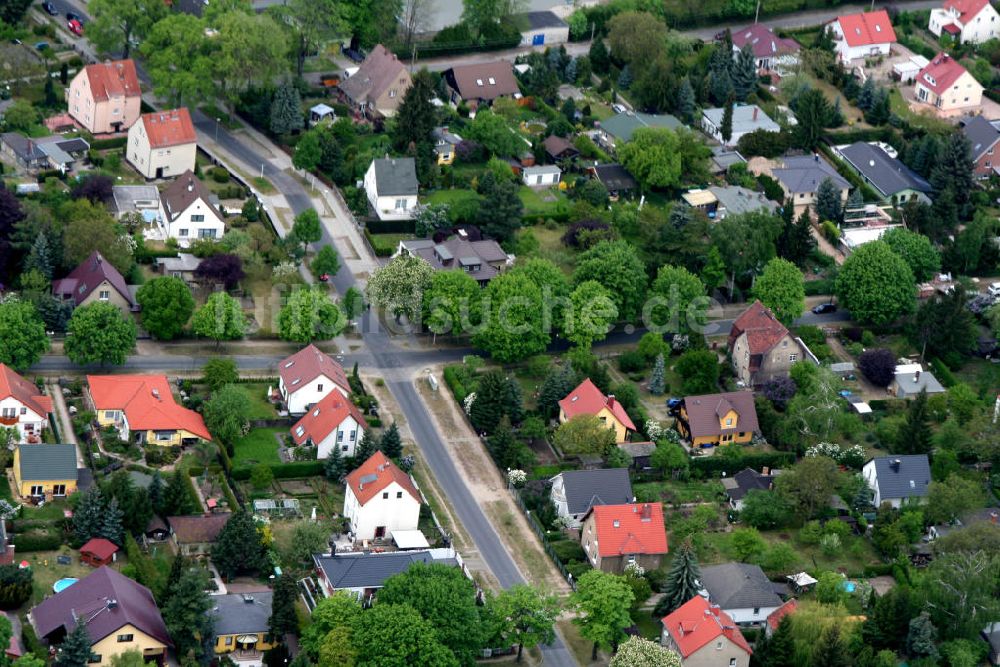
[(824, 308), (41, 46), (75, 27), (357, 55), (674, 403), (618, 108), (50, 8), (994, 290), (70, 16)]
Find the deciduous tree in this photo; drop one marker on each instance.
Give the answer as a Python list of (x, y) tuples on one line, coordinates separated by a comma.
[(781, 287), (639, 652), (592, 315), (310, 315), (396, 634), (116, 23), (809, 484), (178, 58), (450, 301), (512, 319), (916, 250), (878, 365), (399, 286), (526, 617), (227, 414), (220, 318), (224, 268), (616, 266), (602, 601), (876, 285), (699, 370), (653, 157), (583, 434), (250, 51), (167, 305), (99, 333), (22, 335)]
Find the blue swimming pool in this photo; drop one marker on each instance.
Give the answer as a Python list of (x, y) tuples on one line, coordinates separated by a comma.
[(63, 584), (848, 586)]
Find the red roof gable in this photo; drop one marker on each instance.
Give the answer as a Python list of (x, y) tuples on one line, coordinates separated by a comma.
[(100, 548), (169, 128), (940, 74), (113, 79), (634, 528), (587, 399), (374, 475), (13, 385), (324, 417), (967, 9), (696, 623), (87, 277), (774, 618), (867, 28), (147, 403), (763, 329), (308, 364)]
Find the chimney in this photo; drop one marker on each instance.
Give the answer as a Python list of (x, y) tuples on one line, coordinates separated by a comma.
[(190, 185), (647, 512), (765, 471), (916, 376), (112, 603), (895, 465), (755, 109)]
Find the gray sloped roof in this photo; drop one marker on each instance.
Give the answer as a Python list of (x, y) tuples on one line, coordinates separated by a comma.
[(360, 570), (396, 176), (914, 384), (982, 135), (586, 488), (738, 586), (804, 173), (908, 480), (47, 462), (888, 175), (540, 20), (737, 199), (235, 614), (622, 126)]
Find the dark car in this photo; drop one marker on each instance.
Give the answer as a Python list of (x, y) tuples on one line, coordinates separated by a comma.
[(70, 16), (41, 46), (50, 8), (357, 55), (824, 308)]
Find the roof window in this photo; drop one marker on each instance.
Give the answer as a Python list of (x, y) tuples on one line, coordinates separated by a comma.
[(479, 82), (493, 81)]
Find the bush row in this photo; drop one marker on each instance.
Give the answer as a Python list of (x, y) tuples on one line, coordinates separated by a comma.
[(292, 470), (943, 373), (715, 465), (379, 245), (38, 540), (108, 144), (391, 226), (451, 379)]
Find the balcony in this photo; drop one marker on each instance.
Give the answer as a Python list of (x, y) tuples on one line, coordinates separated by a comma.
[(8, 421)]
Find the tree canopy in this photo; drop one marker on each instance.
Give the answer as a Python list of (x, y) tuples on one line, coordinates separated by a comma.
[(167, 305), (876, 285), (99, 333)]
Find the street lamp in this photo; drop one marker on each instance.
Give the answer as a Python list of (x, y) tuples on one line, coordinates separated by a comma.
[(217, 121)]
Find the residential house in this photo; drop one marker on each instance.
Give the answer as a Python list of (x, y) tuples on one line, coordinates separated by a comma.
[(620, 128), (587, 399), (991, 635), (142, 409), (63, 153), (363, 573), (862, 35), (23, 406), (905, 71), (105, 97), (559, 148), (140, 200), (983, 138), (735, 200), (483, 259), (892, 180), (98, 552), (739, 485), (541, 176), (379, 85), (182, 266), (380, 499), (640, 453), (898, 479), (910, 379), (542, 29), (714, 419), (308, 376), (190, 212), (45, 471), (574, 492), (157, 530), (120, 614), (615, 179), (613, 536), (947, 86), (242, 625), (800, 177), (974, 21), (723, 158), (95, 280), (25, 153), (480, 84), (391, 186), (741, 590), (703, 635), (769, 50), (761, 348), (774, 619), (194, 535), (162, 144), (445, 144), (747, 118), (989, 515), (332, 422)]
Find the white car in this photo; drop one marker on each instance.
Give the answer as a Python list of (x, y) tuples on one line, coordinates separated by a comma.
[(994, 290)]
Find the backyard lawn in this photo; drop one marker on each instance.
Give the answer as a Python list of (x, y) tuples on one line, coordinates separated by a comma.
[(260, 445), (47, 570), (451, 197), (260, 407), (674, 492), (542, 202)]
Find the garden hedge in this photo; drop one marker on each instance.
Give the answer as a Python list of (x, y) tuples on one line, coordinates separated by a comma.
[(391, 226), (108, 144), (457, 388), (291, 470), (713, 466), (943, 373), (48, 540)]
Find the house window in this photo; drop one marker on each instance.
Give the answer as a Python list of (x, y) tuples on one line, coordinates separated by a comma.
[(37, 490), (344, 448), (58, 489), (24, 411), (9, 413), (340, 436), (124, 638), (229, 640), (732, 662), (401, 204), (718, 646), (96, 660), (299, 431), (385, 495), (197, 217), (793, 357), (729, 422), (756, 610), (182, 232), (206, 233), (354, 435), (399, 494), (164, 436), (104, 295), (319, 387)]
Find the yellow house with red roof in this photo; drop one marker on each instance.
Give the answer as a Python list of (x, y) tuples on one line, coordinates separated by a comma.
[(587, 399), (143, 410)]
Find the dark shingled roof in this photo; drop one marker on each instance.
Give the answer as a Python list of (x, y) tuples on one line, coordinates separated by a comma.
[(981, 134), (614, 177), (908, 480), (704, 412), (586, 488), (473, 82), (745, 481), (354, 570), (396, 176), (540, 20), (738, 586), (197, 529), (888, 175), (47, 462), (87, 277), (242, 613)]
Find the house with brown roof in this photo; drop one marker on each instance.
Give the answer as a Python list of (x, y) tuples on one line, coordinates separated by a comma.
[(587, 399), (309, 376), (194, 535), (768, 49), (95, 280), (614, 536), (761, 348), (143, 410), (333, 422), (479, 84), (23, 406), (162, 144), (718, 419), (378, 87), (381, 499), (559, 148), (188, 211), (483, 259), (105, 97), (120, 614)]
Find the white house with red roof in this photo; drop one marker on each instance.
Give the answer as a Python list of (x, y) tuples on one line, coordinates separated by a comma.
[(862, 35), (22, 406), (162, 144), (704, 636), (587, 399), (947, 86), (768, 48), (307, 377), (967, 20), (381, 499), (613, 536), (333, 422)]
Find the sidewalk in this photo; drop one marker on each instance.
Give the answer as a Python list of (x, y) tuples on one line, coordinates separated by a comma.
[(66, 432)]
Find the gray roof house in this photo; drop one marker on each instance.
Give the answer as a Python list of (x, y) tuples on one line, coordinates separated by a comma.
[(735, 199), (890, 178), (619, 128), (896, 479), (25, 152), (574, 492), (743, 591), (724, 158), (141, 199), (364, 573), (983, 137), (739, 485), (62, 152), (44, 463), (802, 175), (242, 613), (483, 260), (391, 186), (747, 118), (907, 383)]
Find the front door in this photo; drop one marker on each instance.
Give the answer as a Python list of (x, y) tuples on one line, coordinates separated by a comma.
[(159, 172), (538, 40), (379, 532)]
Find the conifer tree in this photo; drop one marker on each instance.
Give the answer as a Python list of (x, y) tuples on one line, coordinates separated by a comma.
[(828, 201), (283, 619), (156, 492), (656, 381), (744, 73), (727, 122), (625, 78), (683, 580), (286, 109), (685, 103), (366, 447), (390, 443), (89, 516), (75, 648), (111, 522), (333, 467), (40, 256)]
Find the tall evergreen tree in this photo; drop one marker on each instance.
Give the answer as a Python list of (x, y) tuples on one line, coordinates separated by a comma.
[(333, 467), (111, 522), (866, 96), (390, 443), (722, 86), (496, 396), (187, 616), (415, 118), (727, 122), (828, 202), (920, 639), (156, 492), (286, 109), (40, 256), (781, 647), (744, 73), (284, 620), (89, 515), (555, 387), (683, 580), (365, 448), (625, 78), (657, 384), (238, 548), (685, 102), (832, 650), (856, 200), (600, 59), (177, 496), (177, 568), (502, 442), (75, 648), (915, 434), (954, 171)]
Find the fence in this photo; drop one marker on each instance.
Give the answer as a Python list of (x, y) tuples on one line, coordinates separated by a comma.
[(540, 532)]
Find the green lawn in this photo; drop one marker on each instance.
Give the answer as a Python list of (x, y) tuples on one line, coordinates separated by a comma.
[(548, 240), (923, 121), (854, 554), (451, 197), (46, 570), (260, 407), (258, 446), (542, 202), (677, 492)]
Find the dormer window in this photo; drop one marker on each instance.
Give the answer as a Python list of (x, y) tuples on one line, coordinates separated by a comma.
[(878, 28)]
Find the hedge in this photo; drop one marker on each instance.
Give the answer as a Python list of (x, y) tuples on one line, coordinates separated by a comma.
[(49, 540), (391, 226), (31, 640), (717, 464), (943, 373), (292, 470), (821, 286), (380, 248), (457, 388), (50, 173), (107, 144)]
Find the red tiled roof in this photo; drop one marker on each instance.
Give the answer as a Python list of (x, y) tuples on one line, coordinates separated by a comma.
[(774, 618), (951, 29), (376, 474), (696, 623), (147, 402), (867, 28), (169, 128), (308, 364), (967, 9), (13, 385), (704, 413), (87, 277), (940, 74), (113, 79), (634, 528), (763, 329), (100, 548), (587, 399), (324, 417)]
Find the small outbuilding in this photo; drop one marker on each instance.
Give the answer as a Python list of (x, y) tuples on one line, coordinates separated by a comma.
[(98, 552), (321, 112), (541, 177), (542, 29)]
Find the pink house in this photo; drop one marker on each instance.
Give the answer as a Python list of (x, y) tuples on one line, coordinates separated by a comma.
[(105, 98)]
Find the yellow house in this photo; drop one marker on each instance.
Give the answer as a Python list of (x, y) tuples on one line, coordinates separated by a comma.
[(45, 471), (587, 399), (120, 614), (714, 419), (445, 143), (241, 624), (142, 409)]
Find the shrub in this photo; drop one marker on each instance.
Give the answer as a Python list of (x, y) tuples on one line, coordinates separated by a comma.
[(632, 361), (568, 550), (220, 174), (878, 365), (48, 540), (943, 373), (15, 586)]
